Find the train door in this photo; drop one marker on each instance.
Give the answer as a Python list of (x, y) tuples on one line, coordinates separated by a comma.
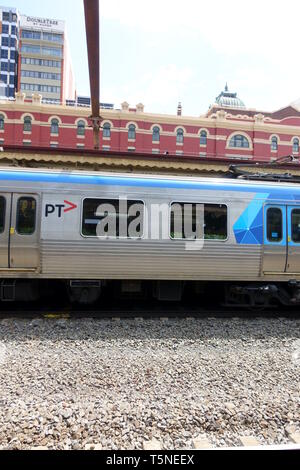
[(24, 232), (275, 239), (293, 222), (5, 204)]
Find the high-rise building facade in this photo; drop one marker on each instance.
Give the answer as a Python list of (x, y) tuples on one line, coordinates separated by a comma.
[(44, 60), (9, 35)]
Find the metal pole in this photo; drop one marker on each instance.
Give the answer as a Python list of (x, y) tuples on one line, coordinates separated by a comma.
[(91, 9)]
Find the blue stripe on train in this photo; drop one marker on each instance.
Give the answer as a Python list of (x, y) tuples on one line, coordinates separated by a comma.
[(98, 180), (248, 229)]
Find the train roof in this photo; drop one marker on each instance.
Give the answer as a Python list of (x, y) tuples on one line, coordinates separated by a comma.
[(144, 180)]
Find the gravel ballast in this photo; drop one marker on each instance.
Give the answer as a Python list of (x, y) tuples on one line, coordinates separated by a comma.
[(68, 383)]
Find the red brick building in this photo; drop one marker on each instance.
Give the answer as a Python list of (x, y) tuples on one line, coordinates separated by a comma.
[(227, 131)]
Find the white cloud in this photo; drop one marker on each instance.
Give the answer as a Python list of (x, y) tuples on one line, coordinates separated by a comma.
[(263, 27), (255, 41), (160, 89)]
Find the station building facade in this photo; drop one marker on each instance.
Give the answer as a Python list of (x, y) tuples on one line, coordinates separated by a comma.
[(228, 130)]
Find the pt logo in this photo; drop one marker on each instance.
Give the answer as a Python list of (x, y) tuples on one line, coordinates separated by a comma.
[(59, 209)]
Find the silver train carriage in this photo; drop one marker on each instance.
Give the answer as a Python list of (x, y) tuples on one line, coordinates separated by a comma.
[(49, 231)]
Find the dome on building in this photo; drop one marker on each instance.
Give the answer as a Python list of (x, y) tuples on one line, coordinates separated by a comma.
[(226, 99)]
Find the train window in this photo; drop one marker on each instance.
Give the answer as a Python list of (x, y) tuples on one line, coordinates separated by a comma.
[(26, 215), (274, 225), (112, 218), (2, 213), (215, 220), (198, 221), (296, 225)]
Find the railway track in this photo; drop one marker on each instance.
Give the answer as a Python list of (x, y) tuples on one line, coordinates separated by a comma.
[(143, 311)]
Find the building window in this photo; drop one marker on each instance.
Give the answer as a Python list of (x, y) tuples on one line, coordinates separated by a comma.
[(81, 128), (41, 88), (179, 137), (239, 141), (1, 122), (107, 130), (296, 146), (274, 144), (52, 51), (31, 35), (53, 37), (4, 66), (42, 75), (27, 124), (203, 138), (156, 134), (131, 132), (31, 49), (41, 62), (4, 53), (5, 29), (5, 41), (55, 126)]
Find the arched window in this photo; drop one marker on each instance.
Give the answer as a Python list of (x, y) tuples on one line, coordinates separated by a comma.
[(203, 138), (107, 130), (55, 126), (156, 134), (1, 122), (81, 128), (27, 124), (274, 144), (296, 146), (131, 132), (239, 141), (179, 138)]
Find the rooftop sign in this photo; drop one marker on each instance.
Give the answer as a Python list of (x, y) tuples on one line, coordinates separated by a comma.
[(42, 23)]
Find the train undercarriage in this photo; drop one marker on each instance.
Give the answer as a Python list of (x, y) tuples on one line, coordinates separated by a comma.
[(257, 296)]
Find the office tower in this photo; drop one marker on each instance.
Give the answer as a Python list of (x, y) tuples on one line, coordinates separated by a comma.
[(9, 34), (44, 60)]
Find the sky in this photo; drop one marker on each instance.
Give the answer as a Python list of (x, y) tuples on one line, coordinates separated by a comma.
[(160, 52)]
